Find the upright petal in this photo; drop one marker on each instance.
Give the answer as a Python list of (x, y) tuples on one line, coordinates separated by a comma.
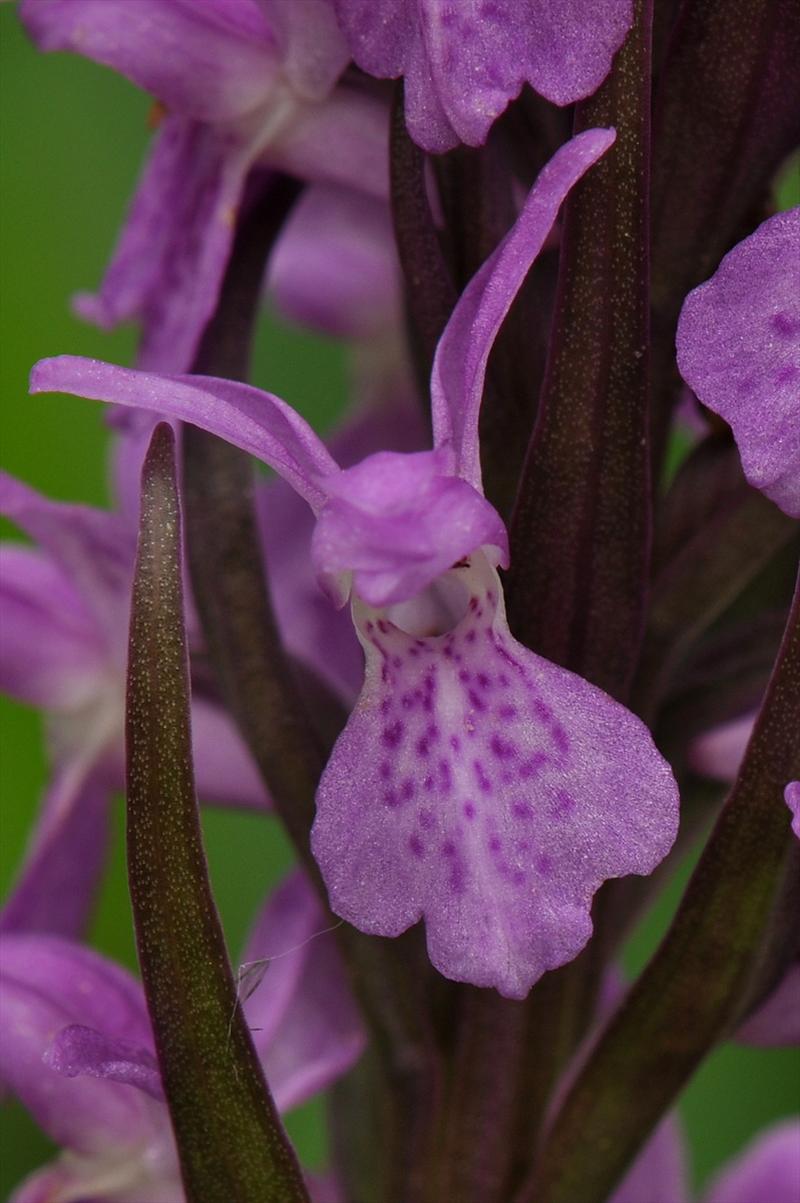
[(768, 1170), (397, 522), (58, 881), (464, 63), (168, 265), (50, 652), (459, 368), (94, 548), (486, 790), (211, 61), (257, 422), (305, 1024), (658, 1174), (739, 349)]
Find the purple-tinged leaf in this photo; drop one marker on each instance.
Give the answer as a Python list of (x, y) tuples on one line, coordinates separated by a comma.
[(696, 986), (230, 1141), (720, 543), (430, 293), (581, 528), (726, 114)]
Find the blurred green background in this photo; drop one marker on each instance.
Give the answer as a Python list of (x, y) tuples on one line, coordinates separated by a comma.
[(72, 137)]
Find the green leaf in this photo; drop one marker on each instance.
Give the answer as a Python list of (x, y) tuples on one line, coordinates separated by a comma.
[(707, 971), (231, 1144)]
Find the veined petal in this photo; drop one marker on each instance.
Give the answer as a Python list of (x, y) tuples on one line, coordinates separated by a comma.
[(463, 63), (488, 791), (459, 368), (397, 522), (257, 422), (50, 651), (168, 264), (94, 548), (739, 349), (769, 1169), (211, 61), (56, 887)]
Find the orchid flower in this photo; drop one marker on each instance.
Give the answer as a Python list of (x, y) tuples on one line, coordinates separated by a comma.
[(79, 1050), (476, 784), (251, 84), (63, 647), (739, 349), (463, 63)]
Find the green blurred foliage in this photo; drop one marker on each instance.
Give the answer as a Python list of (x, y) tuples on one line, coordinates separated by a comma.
[(72, 137)]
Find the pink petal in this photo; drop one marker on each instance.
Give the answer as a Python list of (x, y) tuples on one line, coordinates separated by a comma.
[(397, 522), (211, 61), (93, 548), (463, 63), (56, 887), (792, 796), (459, 368), (739, 349), (224, 769), (312, 49), (167, 268), (488, 791), (305, 1024), (718, 753), (768, 1170), (248, 418), (46, 985), (776, 1023), (50, 652), (334, 268), (80, 1051)]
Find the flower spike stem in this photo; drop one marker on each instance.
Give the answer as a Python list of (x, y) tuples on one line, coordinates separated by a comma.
[(257, 681), (230, 1140), (702, 977)]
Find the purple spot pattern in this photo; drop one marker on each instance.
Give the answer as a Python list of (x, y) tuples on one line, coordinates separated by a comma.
[(491, 794)]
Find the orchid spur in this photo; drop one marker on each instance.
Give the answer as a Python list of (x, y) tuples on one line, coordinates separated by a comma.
[(476, 784)]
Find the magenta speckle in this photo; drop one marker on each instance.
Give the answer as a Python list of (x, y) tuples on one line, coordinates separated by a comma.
[(564, 804), (383, 626), (475, 701), (521, 809), (470, 636), (481, 776), (470, 810), (416, 845), (455, 742), (785, 325), (507, 712), (385, 771), (501, 748), (448, 848), (408, 789), (532, 766), (425, 819), (393, 735), (544, 865)]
